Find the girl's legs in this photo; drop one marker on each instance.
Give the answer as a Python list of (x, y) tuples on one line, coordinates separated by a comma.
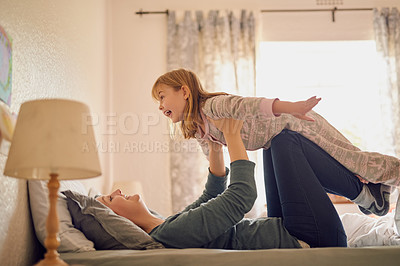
[(274, 208), (301, 171), (327, 173)]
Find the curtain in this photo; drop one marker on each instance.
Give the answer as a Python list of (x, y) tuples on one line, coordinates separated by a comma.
[(387, 36), (220, 48)]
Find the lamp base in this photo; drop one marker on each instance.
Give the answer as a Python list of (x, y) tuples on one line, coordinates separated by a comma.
[(51, 243), (51, 262)]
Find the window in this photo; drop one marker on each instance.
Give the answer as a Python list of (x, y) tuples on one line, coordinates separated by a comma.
[(348, 75)]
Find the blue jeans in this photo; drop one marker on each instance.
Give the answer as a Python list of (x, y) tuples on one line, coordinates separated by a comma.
[(297, 175)]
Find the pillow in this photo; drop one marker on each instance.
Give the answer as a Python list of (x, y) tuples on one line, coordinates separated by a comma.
[(91, 228), (397, 213), (71, 239), (104, 227)]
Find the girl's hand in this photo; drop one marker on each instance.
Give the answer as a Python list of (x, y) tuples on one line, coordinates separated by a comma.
[(297, 109), (301, 108), (362, 179)]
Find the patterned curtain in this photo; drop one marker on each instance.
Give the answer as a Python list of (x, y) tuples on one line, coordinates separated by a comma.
[(387, 36), (220, 49)]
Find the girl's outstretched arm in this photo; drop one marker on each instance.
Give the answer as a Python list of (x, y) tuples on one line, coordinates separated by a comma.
[(298, 109)]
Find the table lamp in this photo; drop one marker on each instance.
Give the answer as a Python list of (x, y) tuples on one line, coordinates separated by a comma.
[(53, 141)]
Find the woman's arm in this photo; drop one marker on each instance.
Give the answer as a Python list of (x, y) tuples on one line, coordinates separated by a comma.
[(216, 181), (216, 158), (198, 226), (231, 130)]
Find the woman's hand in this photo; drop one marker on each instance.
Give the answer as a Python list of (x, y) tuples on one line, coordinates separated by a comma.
[(214, 146), (228, 126), (231, 130), (297, 109)]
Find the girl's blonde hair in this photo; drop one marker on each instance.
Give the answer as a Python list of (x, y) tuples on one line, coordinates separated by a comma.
[(197, 96)]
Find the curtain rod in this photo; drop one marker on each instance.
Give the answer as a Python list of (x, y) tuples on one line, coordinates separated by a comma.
[(332, 10), (141, 12)]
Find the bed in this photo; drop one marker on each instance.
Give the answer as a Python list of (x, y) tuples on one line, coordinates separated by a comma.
[(317, 256), (86, 254)]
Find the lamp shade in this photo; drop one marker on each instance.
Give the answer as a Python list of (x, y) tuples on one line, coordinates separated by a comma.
[(53, 136)]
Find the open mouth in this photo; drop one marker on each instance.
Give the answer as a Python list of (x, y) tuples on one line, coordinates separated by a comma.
[(167, 113)]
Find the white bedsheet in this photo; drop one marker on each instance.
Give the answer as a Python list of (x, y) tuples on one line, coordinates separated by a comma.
[(365, 231)]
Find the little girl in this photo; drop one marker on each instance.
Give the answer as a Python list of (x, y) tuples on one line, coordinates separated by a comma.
[(183, 99)]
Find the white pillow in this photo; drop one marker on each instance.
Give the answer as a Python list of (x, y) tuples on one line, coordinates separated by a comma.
[(71, 239), (397, 213)]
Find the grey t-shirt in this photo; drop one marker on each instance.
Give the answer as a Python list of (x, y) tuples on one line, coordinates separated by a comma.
[(215, 220)]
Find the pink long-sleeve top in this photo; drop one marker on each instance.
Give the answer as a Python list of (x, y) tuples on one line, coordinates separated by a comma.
[(260, 125)]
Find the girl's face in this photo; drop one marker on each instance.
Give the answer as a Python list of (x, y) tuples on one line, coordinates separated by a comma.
[(126, 206), (172, 102)]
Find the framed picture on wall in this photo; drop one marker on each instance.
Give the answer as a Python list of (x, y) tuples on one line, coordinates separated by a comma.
[(5, 66)]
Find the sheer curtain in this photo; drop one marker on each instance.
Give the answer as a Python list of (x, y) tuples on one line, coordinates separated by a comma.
[(220, 48), (387, 36)]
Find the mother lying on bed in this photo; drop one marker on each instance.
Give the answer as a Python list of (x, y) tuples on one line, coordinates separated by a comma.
[(215, 220)]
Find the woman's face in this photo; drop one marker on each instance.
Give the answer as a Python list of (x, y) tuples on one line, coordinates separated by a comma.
[(126, 206), (172, 102)]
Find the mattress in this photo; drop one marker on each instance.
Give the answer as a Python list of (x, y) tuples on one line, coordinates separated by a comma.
[(385, 256)]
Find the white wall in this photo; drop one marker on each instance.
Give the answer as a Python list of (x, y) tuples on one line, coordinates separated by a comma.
[(318, 26), (59, 51), (139, 57)]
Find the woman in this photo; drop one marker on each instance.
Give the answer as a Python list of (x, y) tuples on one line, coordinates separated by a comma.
[(215, 220)]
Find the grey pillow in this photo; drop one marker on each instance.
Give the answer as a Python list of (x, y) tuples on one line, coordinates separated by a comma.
[(71, 239), (106, 229)]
